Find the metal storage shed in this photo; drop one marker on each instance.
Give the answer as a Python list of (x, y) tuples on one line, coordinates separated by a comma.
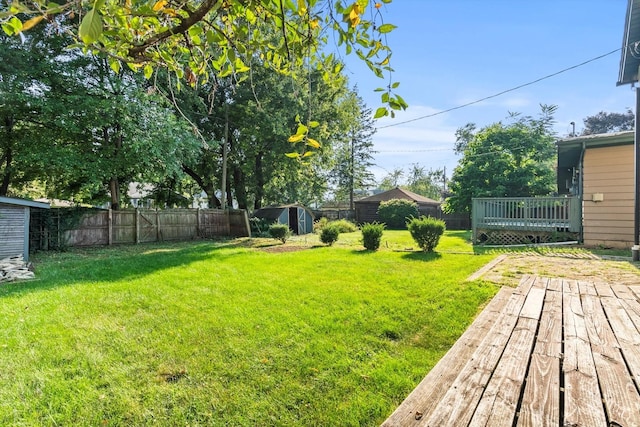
[(367, 208), (14, 226), (298, 218)]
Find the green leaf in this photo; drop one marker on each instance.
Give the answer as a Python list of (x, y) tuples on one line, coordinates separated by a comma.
[(307, 154), (251, 17), (213, 37), (91, 27), (314, 124), (302, 130), (240, 66), (292, 155), (13, 26), (296, 138), (395, 85), (148, 71), (115, 65), (380, 112), (386, 28)]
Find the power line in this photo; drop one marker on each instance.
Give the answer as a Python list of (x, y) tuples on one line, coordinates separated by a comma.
[(503, 92)]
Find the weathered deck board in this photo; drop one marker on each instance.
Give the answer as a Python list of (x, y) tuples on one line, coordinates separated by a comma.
[(540, 403), (619, 394), (554, 352), (582, 399)]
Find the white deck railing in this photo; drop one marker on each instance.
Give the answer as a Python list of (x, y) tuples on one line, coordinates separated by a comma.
[(553, 214)]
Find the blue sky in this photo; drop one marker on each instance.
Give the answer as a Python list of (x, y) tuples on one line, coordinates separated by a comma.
[(451, 52)]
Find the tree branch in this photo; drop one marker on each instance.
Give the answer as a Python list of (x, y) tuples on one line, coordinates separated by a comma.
[(193, 18)]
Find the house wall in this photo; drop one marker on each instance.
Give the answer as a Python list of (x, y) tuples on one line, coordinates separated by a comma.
[(12, 230), (609, 171)]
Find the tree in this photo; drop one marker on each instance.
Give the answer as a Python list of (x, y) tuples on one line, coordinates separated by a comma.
[(28, 75), (77, 126), (197, 39), (426, 183), (354, 148), (506, 160), (609, 122), (392, 179)]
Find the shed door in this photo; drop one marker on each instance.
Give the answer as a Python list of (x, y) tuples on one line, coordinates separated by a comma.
[(293, 220), (302, 221)]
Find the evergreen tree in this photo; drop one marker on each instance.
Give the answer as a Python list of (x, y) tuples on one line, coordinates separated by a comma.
[(354, 150)]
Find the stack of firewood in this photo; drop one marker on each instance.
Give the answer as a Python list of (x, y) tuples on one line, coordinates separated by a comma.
[(14, 268)]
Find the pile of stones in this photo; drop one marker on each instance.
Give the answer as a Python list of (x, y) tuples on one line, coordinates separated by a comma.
[(14, 268)]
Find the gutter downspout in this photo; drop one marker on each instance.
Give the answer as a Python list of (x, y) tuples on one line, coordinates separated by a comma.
[(636, 205), (581, 190)]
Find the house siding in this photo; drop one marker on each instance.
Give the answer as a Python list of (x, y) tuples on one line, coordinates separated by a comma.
[(610, 171), (12, 231)]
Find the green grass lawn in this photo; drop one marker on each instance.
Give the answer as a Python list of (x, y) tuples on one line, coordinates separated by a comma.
[(224, 333)]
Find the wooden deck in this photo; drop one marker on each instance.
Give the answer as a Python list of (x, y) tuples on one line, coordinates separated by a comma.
[(553, 352)]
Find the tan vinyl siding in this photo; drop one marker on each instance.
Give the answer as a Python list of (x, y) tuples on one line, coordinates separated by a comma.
[(12, 219), (610, 171)]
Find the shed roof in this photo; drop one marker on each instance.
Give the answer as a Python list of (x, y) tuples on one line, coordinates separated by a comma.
[(399, 193), (23, 202)]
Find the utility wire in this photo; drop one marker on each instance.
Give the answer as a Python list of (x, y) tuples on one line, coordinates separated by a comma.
[(503, 92)]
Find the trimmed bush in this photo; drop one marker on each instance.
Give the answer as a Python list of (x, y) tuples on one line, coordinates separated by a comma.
[(329, 235), (426, 231), (372, 235), (344, 226), (280, 232), (396, 212)]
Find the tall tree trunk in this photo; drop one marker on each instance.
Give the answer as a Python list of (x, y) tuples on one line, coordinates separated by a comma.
[(259, 173), (6, 176), (114, 189), (207, 186), (7, 158)]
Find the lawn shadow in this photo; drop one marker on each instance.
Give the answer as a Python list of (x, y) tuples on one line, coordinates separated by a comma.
[(422, 256), (99, 265)]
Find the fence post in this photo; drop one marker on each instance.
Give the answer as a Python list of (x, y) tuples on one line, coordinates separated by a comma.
[(137, 224), (109, 227), (198, 231), (246, 222), (158, 231)]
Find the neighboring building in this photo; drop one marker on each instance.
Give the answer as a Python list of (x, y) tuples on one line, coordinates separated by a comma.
[(367, 208), (14, 226), (600, 170), (298, 218)]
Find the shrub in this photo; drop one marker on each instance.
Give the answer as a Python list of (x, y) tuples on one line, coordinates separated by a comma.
[(329, 235), (320, 224), (372, 235), (344, 226), (280, 232), (426, 231), (396, 212), (260, 227)]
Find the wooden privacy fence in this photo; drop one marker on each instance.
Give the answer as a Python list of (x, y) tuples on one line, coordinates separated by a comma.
[(72, 227), (512, 220)]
